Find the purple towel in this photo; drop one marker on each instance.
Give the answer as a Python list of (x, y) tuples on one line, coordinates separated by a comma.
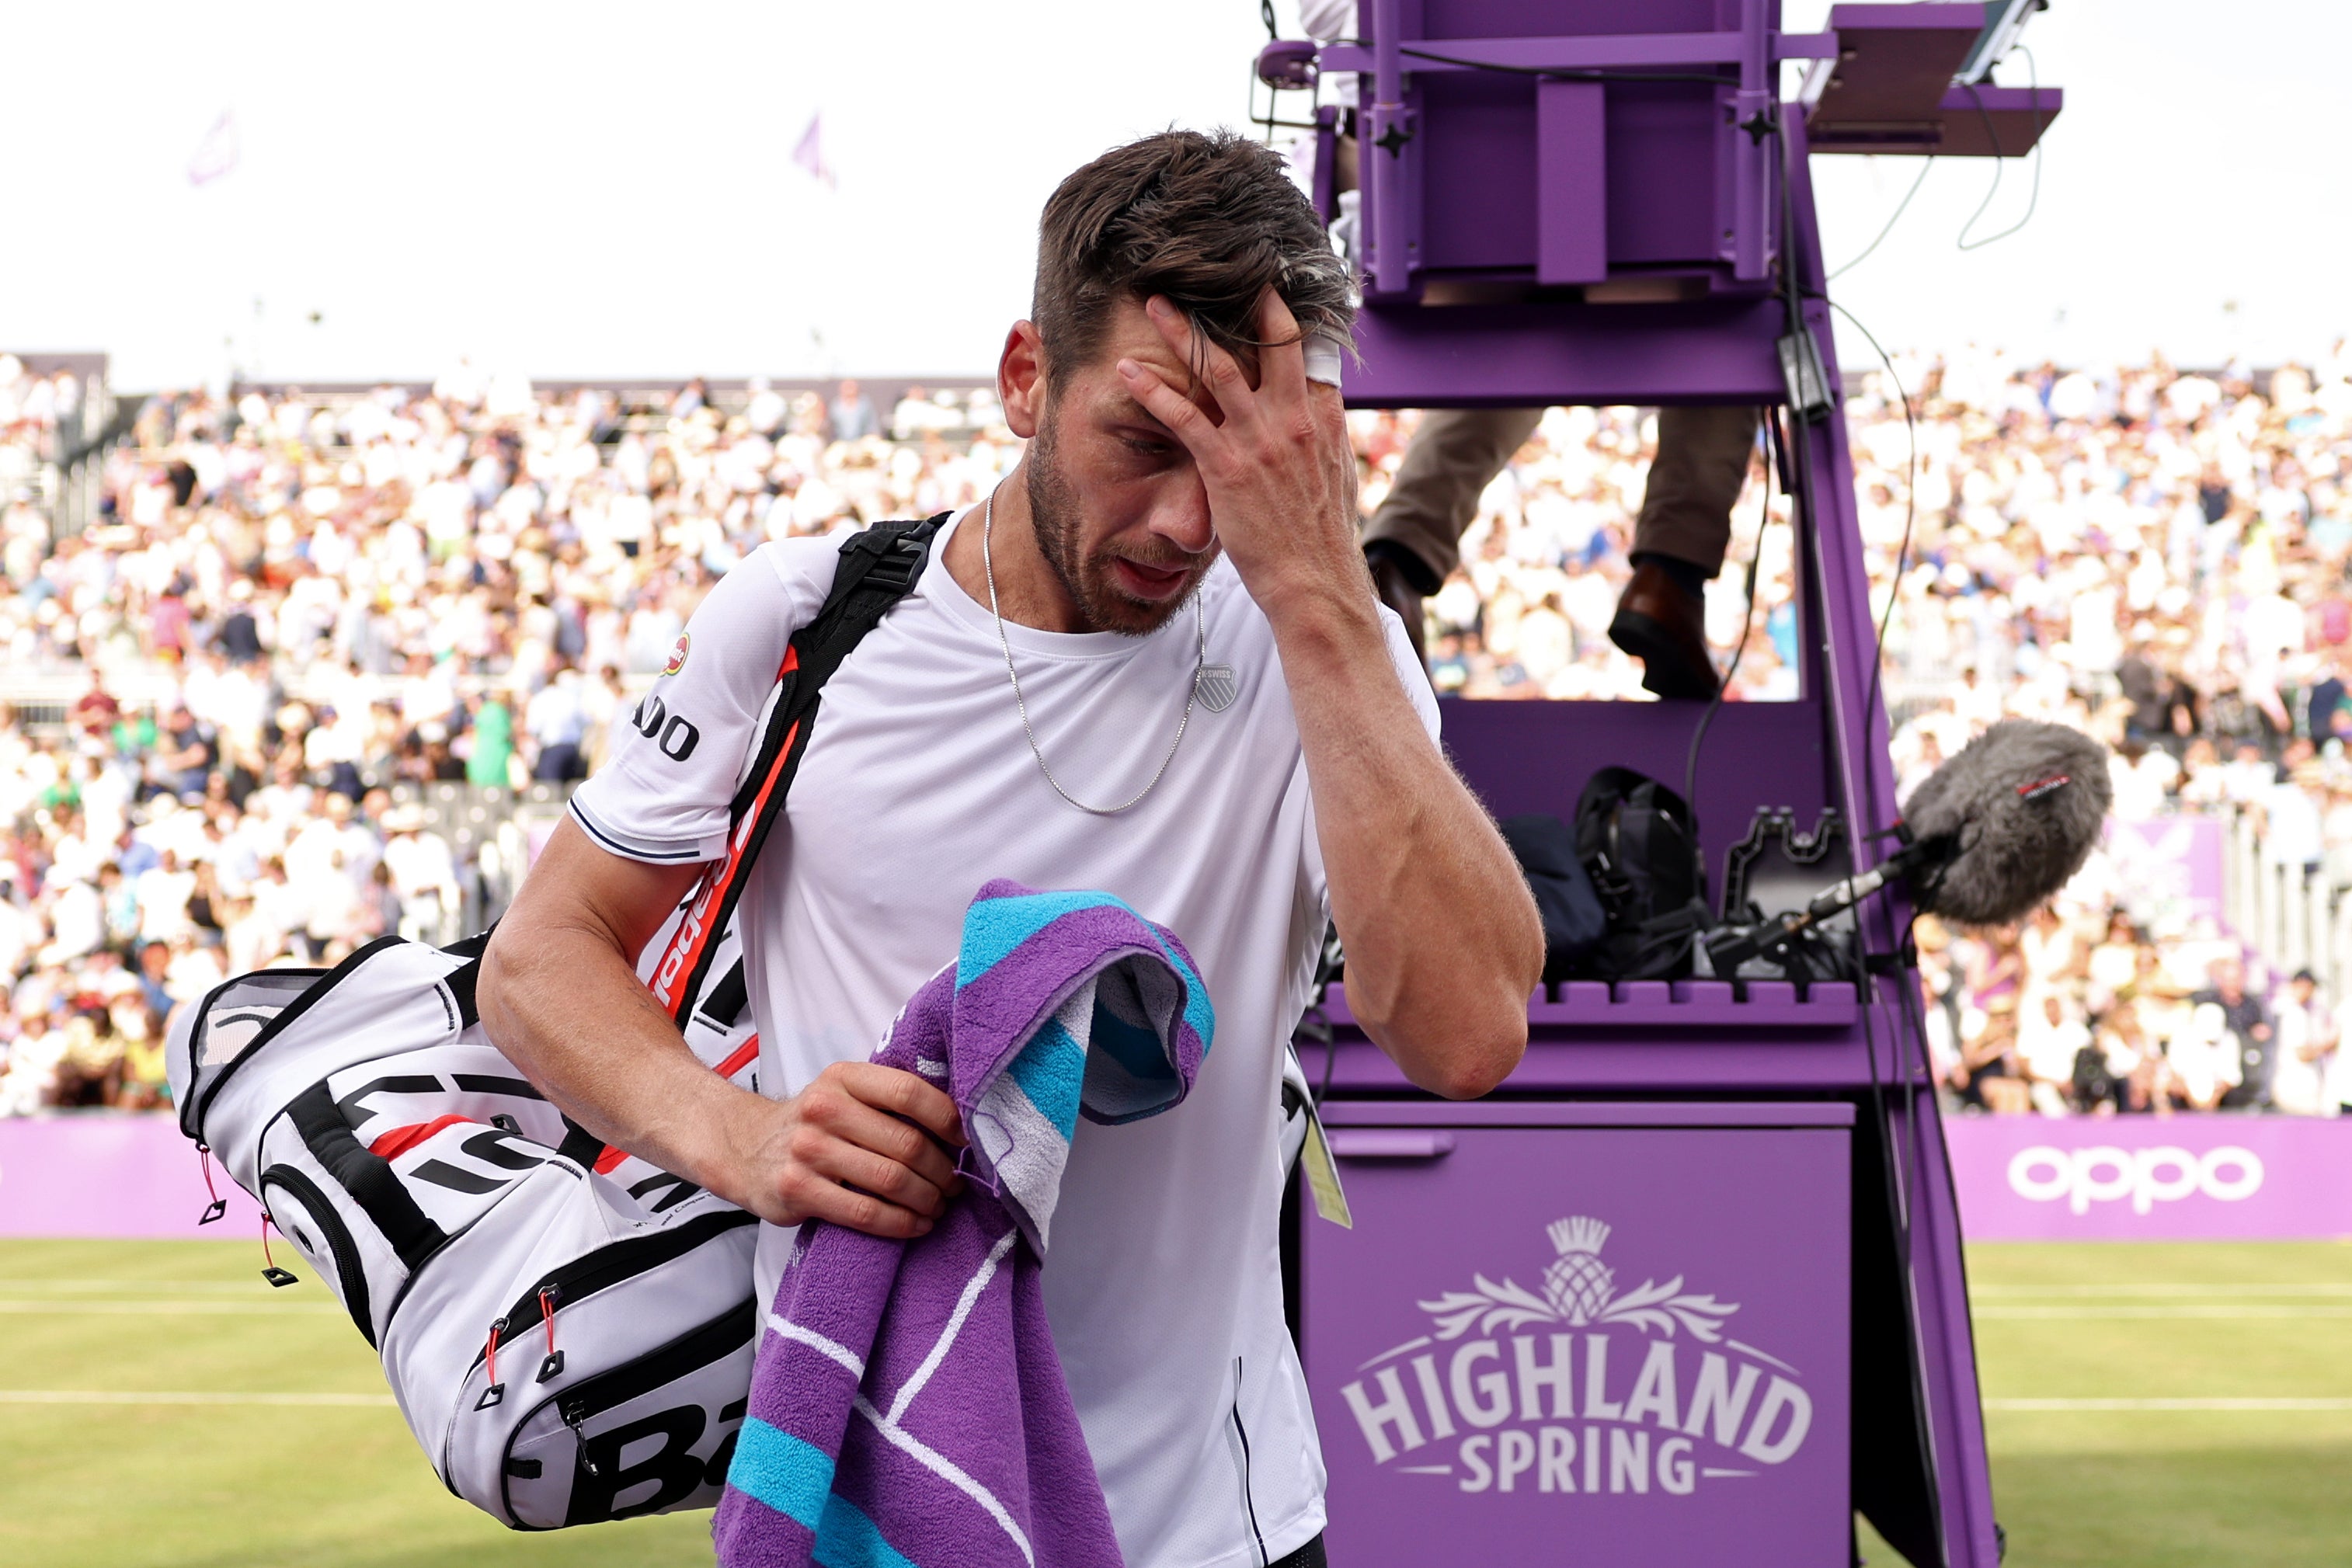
[(908, 1409)]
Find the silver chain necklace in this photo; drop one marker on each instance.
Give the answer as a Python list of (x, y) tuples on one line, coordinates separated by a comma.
[(1200, 657)]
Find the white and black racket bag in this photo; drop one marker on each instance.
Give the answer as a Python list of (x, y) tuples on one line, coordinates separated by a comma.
[(568, 1329)]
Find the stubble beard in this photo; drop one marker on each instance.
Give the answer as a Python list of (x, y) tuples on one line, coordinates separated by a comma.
[(1058, 520)]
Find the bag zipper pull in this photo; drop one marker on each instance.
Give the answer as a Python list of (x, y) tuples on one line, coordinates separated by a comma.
[(219, 1205), (277, 1277), (569, 1410), (496, 1390), (549, 1296)]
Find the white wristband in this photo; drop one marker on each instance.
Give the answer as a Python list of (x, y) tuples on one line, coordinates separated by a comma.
[(1323, 356)]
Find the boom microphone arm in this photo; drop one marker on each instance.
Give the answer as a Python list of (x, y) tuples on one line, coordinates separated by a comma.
[(1994, 833), (1915, 863)]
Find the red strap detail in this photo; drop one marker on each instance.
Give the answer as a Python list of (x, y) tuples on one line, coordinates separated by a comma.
[(400, 1140), (697, 930), (738, 1058)]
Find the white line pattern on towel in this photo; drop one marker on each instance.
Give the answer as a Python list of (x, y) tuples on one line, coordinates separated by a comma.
[(839, 1354), (948, 1470), (946, 1342)]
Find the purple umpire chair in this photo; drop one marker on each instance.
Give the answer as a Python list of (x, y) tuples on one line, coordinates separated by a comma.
[(1686, 1289)]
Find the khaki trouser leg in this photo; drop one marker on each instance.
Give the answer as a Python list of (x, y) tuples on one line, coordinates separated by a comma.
[(1703, 460), (1455, 455)]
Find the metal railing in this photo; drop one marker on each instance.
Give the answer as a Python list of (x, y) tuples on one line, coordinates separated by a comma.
[(2292, 917), (493, 835), (62, 471)]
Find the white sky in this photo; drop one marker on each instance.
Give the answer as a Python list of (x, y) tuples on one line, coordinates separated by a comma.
[(590, 189)]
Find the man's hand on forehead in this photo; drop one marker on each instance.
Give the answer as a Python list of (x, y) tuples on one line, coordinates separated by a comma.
[(1439, 924), (1271, 448)]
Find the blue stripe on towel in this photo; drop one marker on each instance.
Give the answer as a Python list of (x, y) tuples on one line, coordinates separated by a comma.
[(1197, 1009), (848, 1539), (789, 1475), (995, 927), (1051, 1069)]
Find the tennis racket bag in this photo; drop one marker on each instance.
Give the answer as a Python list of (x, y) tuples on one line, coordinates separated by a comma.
[(567, 1328)]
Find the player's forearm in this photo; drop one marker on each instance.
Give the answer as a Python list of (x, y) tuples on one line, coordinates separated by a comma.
[(569, 1010), (560, 994), (1443, 940)]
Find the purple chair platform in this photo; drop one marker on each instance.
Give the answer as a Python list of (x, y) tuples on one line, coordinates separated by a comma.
[(1686, 1289)]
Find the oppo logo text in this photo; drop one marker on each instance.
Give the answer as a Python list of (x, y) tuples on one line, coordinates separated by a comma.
[(2106, 1174)]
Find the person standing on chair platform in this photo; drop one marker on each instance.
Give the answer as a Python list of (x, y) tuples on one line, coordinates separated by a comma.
[(1151, 662), (1414, 541)]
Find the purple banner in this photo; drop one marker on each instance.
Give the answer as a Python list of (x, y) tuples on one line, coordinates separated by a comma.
[(2146, 1178), (1585, 1343), (99, 1174), (2170, 867), (2020, 1179)]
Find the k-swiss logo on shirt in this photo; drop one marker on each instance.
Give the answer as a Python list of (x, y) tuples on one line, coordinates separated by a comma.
[(677, 656), (1216, 686)]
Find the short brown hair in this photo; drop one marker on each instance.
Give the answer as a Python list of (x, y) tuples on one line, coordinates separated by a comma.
[(1210, 221)]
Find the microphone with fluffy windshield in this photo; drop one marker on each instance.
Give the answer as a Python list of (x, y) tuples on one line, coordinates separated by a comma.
[(2021, 808), (1986, 838)]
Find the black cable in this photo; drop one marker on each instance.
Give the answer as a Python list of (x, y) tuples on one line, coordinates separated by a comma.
[(1867, 992), (2034, 77), (1801, 511), (1746, 621), (1265, 14), (1889, 227), (1795, 323), (1898, 1202), (1910, 515), (1271, 120), (1899, 1189), (1901, 553), (1918, 1011), (1925, 1088)]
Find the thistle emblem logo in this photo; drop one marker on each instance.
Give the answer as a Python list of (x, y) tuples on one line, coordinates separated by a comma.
[(1578, 1290), (1578, 1282), (1216, 686)]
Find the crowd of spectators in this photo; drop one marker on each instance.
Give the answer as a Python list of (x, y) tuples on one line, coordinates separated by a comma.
[(292, 609), (2157, 557), (2070, 1014)]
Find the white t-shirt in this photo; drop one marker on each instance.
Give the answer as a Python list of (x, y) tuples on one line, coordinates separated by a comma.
[(1163, 1287)]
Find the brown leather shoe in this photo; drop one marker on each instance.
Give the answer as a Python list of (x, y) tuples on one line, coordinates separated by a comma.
[(1664, 628), (1397, 592)]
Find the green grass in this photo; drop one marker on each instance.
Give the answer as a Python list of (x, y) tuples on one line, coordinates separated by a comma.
[(2167, 1488), (244, 1485), (130, 1486)]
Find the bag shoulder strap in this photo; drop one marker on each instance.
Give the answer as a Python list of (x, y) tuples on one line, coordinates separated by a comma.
[(879, 565)]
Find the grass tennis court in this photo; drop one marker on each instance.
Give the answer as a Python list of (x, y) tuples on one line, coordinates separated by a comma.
[(2150, 1406)]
